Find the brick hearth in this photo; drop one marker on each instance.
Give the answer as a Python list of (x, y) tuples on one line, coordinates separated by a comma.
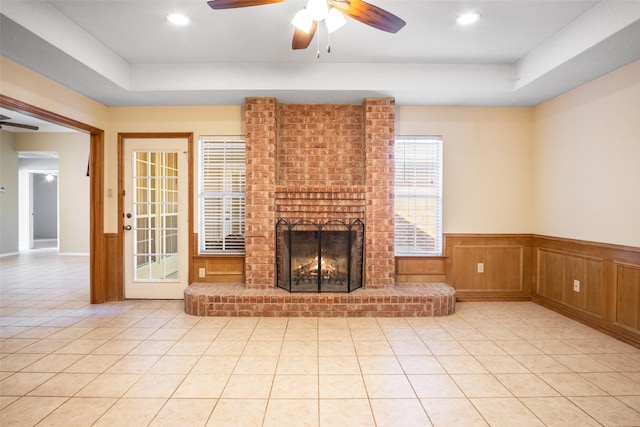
[(403, 300)]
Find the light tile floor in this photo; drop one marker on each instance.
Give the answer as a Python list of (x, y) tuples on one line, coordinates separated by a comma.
[(137, 363)]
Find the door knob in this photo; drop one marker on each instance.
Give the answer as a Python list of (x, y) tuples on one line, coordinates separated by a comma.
[(126, 227)]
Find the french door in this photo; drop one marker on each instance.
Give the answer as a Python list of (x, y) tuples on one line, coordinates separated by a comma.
[(155, 217)]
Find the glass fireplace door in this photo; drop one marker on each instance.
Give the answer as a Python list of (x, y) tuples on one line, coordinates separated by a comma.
[(319, 257)]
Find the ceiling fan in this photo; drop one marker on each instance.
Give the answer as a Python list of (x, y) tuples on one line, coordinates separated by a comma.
[(330, 11), (4, 122)]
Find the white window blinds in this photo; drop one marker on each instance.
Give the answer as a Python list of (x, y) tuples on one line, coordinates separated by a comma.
[(418, 195), (222, 196)]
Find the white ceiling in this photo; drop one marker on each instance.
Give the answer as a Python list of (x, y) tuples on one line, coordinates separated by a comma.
[(520, 53)]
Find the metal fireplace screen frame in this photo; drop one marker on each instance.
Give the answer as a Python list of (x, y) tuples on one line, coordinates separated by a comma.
[(319, 257)]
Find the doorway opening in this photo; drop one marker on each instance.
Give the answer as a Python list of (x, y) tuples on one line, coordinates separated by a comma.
[(38, 202), (99, 291)]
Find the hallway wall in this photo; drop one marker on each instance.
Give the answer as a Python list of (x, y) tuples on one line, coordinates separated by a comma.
[(8, 198), (45, 207)]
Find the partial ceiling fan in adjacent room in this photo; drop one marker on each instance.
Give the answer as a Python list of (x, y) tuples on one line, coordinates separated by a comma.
[(332, 12), (4, 122)]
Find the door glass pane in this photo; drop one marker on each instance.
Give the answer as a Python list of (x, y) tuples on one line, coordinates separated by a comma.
[(155, 210)]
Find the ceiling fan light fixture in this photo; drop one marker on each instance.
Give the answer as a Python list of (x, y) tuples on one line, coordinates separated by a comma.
[(334, 20), (317, 9), (302, 21)]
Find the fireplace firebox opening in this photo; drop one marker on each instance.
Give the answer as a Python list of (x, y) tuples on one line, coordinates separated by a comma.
[(319, 257)]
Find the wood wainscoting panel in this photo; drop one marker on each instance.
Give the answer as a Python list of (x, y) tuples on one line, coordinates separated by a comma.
[(421, 269), (219, 269), (609, 275), (489, 267), (628, 295), (114, 275), (550, 272), (557, 273)]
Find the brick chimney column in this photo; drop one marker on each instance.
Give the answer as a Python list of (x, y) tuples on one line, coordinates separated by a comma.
[(261, 125), (379, 134)]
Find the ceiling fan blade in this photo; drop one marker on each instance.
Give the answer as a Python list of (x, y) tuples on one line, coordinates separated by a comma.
[(232, 4), (19, 125), (372, 15), (301, 40)]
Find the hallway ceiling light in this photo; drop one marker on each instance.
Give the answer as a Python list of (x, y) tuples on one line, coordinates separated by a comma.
[(177, 19), (467, 18)]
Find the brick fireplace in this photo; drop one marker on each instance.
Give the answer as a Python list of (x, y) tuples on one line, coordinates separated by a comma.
[(319, 164)]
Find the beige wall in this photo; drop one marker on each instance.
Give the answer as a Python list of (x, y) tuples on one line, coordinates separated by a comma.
[(487, 165), (27, 86), (587, 161), (201, 120), (487, 156), (568, 168)]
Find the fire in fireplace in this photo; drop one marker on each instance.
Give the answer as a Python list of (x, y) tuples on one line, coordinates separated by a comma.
[(319, 257)]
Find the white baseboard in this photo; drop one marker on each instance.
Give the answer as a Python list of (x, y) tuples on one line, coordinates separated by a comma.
[(9, 254)]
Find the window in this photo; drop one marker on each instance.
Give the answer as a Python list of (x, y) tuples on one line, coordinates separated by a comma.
[(418, 195), (222, 196)]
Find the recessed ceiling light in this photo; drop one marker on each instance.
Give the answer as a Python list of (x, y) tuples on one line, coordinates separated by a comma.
[(467, 18), (177, 18)]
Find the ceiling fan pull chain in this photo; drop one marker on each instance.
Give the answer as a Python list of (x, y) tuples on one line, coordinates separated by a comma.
[(318, 43), (328, 42)]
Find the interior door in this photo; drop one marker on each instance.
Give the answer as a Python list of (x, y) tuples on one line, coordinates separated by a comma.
[(155, 217)]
